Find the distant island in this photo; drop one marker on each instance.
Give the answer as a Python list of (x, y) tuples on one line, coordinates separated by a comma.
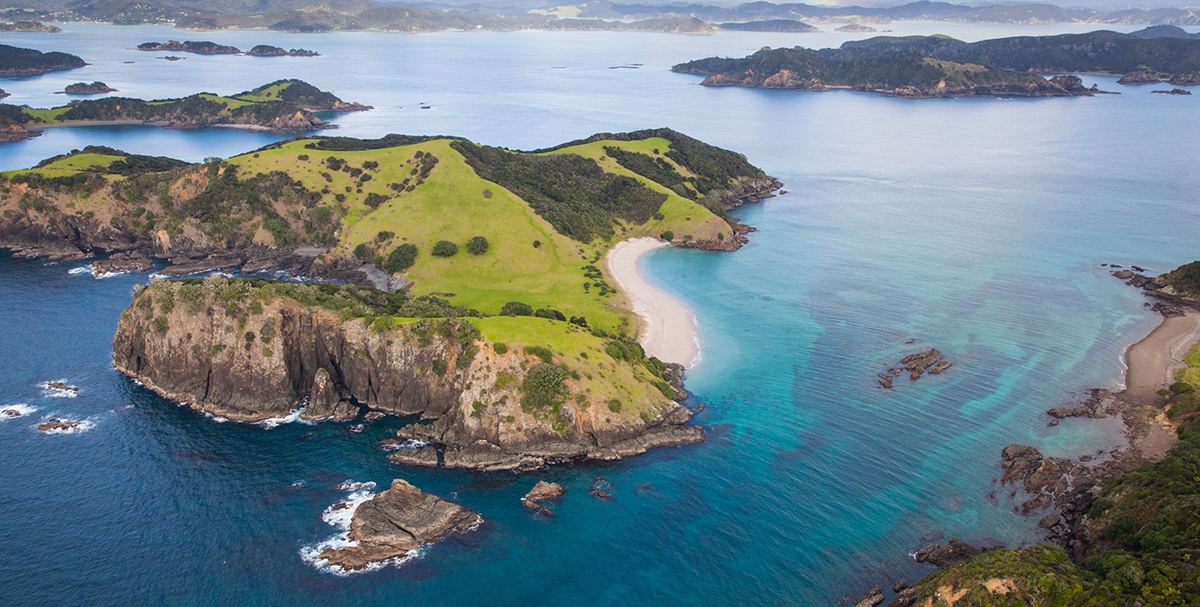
[(281, 106), (317, 16), (856, 27), (769, 25), (16, 61), (940, 66), (84, 88), (212, 48), (503, 327), (900, 74), (27, 26)]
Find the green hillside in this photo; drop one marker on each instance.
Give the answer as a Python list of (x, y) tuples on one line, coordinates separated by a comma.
[(535, 233)]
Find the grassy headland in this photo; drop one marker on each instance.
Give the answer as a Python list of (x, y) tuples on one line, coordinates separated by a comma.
[(534, 231)]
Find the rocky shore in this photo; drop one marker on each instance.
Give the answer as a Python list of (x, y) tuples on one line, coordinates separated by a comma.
[(232, 350), (1061, 492)]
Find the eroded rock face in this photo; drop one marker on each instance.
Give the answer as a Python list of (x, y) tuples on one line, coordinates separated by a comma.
[(396, 522), (952, 553), (251, 362)]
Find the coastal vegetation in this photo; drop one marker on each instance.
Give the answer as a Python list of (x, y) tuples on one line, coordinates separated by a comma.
[(940, 66)]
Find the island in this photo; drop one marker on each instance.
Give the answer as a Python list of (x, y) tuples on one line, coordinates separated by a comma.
[(28, 26), (1120, 527), (83, 88), (896, 74), (16, 61), (266, 50), (212, 48), (940, 66), (769, 25), (856, 28), (282, 106), (199, 48)]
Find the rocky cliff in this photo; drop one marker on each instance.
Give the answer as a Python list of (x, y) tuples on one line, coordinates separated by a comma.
[(242, 350)]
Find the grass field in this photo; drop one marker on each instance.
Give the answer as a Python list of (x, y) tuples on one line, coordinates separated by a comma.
[(388, 197), (455, 204)]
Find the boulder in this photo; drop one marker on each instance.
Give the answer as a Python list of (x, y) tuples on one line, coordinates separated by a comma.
[(544, 491), (873, 598), (396, 522)]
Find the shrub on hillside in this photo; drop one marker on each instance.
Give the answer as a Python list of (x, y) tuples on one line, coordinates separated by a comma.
[(445, 248), (477, 245), (401, 258), (516, 308)]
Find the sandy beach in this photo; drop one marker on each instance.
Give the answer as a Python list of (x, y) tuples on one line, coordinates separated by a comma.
[(1153, 361), (668, 328)]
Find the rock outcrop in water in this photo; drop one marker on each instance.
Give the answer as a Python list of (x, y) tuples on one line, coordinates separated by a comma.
[(395, 522), (84, 88), (243, 350)]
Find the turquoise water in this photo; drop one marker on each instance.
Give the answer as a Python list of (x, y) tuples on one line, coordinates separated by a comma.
[(973, 226)]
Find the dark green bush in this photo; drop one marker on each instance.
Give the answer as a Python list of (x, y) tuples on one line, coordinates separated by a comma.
[(445, 248), (516, 308), (401, 258), (544, 354), (549, 313), (477, 245), (668, 235)]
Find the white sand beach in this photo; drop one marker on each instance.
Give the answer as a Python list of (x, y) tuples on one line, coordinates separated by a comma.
[(669, 329)]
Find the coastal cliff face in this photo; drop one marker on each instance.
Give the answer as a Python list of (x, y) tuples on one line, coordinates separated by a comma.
[(231, 349)]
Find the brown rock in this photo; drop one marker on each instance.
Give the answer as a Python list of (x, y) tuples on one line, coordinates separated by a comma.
[(954, 552), (397, 521), (873, 598), (544, 491), (54, 424)]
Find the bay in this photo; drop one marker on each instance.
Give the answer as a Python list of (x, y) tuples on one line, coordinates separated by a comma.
[(976, 226)]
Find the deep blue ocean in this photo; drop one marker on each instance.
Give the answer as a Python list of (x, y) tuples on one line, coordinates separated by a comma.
[(976, 226)]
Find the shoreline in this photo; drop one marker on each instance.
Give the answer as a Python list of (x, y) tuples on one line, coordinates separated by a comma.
[(669, 329), (1151, 362)]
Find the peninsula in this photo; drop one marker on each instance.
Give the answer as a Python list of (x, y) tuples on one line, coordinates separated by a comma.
[(16, 61), (501, 326), (281, 106), (1120, 528), (939, 66)]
